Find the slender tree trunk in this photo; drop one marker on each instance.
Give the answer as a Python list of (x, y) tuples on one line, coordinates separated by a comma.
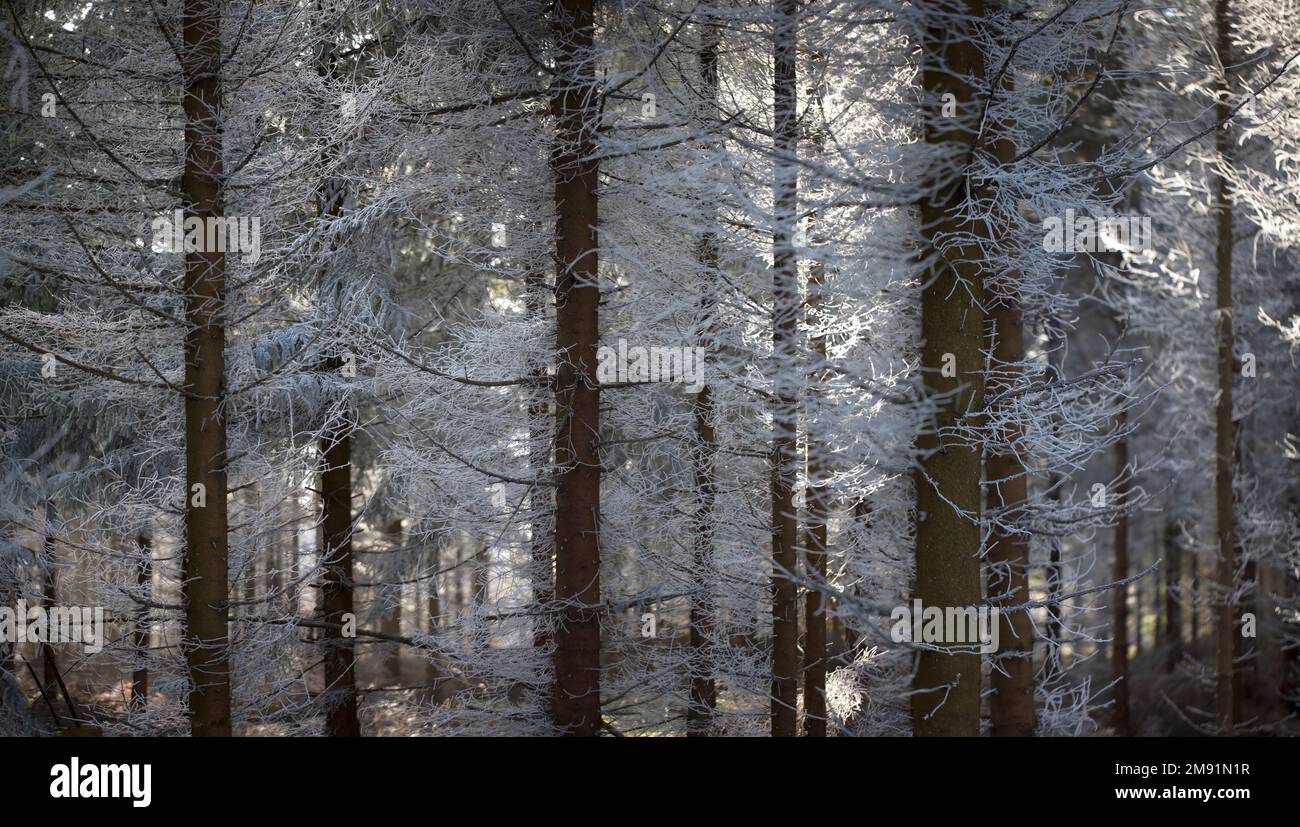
[(1119, 621), (1196, 604), (704, 575), (50, 599), (785, 350), (1245, 657), (434, 607), (141, 639), (576, 702), (273, 579), (540, 439), (814, 655), (817, 494), (246, 579), (337, 595), (1223, 442), (482, 569), (1011, 707), (391, 623), (946, 697), (295, 563), (340, 693), (1054, 653), (1137, 610), (817, 498), (1173, 585), (206, 572)]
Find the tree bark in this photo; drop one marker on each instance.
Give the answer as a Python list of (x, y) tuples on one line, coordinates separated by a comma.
[(391, 624), (576, 702), (1119, 619), (339, 696), (814, 651), (946, 697), (703, 608), (817, 494), (540, 439), (141, 638), (49, 599), (1226, 530), (785, 351), (1011, 706), (206, 573), (337, 596), (1173, 585)]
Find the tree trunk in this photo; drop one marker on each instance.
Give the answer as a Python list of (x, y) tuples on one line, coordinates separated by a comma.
[(1119, 620), (1011, 707), (206, 573), (49, 599), (1226, 529), (141, 639), (1137, 610), (785, 351), (339, 697), (392, 616), (946, 698), (576, 702), (540, 439), (434, 607), (1196, 604), (1173, 610), (295, 563), (817, 494), (817, 498), (704, 575), (337, 596)]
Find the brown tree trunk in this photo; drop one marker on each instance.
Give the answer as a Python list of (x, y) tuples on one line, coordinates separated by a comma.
[(946, 697), (785, 350), (1054, 653), (295, 562), (434, 607), (141, 637), (576, 701), (1226, 530), (703, 620), (49, 599), (1119, 620), (540, 440), (205, 580), (1011, 706), (337, 595), (339, 696), (817, 494), (814, 653), (1196, 604), (817, 497), (1173, 585), (391, 624), (1137, 610)]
